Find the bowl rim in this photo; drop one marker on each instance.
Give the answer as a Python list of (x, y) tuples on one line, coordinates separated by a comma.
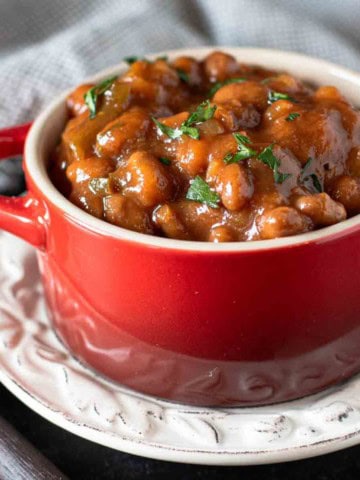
[(36, 170)]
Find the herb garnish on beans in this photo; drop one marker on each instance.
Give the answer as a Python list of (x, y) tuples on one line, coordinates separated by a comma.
[(184, 148)]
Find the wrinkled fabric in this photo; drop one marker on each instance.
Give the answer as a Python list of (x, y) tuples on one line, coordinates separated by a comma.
[(49, 45)]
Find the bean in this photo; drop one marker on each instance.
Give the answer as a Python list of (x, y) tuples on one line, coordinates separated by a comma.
[(84, 170), (286, 83), (79, 174), (166, 219), (222, 145), (215, 167), (353, 162), (218, 66), (346, 190), (328, 93), (174, 121), (246, 92), (143, 89), (221, 233), (162, 73), (192, 155), (282, 222), (235, 186), (280, 109), (191, 67), (126, 213), (269, 200), (197, 218), (86, 200), (146, 179), (138, 78), (124, 130), (321, 208)]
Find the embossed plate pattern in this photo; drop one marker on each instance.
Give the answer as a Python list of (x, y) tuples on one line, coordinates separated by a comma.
[(38, 369)]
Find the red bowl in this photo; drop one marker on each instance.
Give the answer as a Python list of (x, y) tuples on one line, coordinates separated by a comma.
[(211, 324)]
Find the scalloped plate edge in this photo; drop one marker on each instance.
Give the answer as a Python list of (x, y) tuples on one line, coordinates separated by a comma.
[(176, 454)]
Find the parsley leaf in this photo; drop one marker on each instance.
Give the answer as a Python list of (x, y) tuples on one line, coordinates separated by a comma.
[(307, 164), (313, 177), (165, 160), (200, 191), (268, 158), (91, 96), (316, 182), (184, 77), (191, 132), (275, 96), (131, 60), (243, 152), (203, 112), (281, 177), (241, 139), (218, 85), (134, 58), (291, 117), (169, 131)]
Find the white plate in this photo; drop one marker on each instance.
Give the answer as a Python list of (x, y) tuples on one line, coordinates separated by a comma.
[(39, 370)]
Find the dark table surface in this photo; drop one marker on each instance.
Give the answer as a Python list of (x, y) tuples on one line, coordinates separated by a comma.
[(80, 459)]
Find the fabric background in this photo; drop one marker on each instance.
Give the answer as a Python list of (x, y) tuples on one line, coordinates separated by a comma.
[(49, 45)]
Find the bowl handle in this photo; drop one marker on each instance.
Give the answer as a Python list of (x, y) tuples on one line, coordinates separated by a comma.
[(22, 216)]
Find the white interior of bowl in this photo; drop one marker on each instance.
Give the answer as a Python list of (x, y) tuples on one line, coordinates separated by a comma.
[(46, 130)]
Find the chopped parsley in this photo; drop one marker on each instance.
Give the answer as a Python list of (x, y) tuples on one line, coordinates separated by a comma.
[(244, 151), (131, 60), (165, 160), (91, 96), (275, 96), (229, 158), (134, 58), (312, 176), (218, 85), (203, 112), (268, 158), (191, 132), (200, 191), (316, 182), (307, 164), (184, 77), (168, 131), (291, 117)]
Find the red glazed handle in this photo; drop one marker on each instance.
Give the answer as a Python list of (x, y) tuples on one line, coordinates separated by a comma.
[(20, 215)]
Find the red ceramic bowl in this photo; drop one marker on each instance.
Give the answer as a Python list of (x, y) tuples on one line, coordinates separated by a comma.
[(210, 324)]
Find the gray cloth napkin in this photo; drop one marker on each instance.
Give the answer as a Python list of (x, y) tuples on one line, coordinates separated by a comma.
[(49, 45)]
